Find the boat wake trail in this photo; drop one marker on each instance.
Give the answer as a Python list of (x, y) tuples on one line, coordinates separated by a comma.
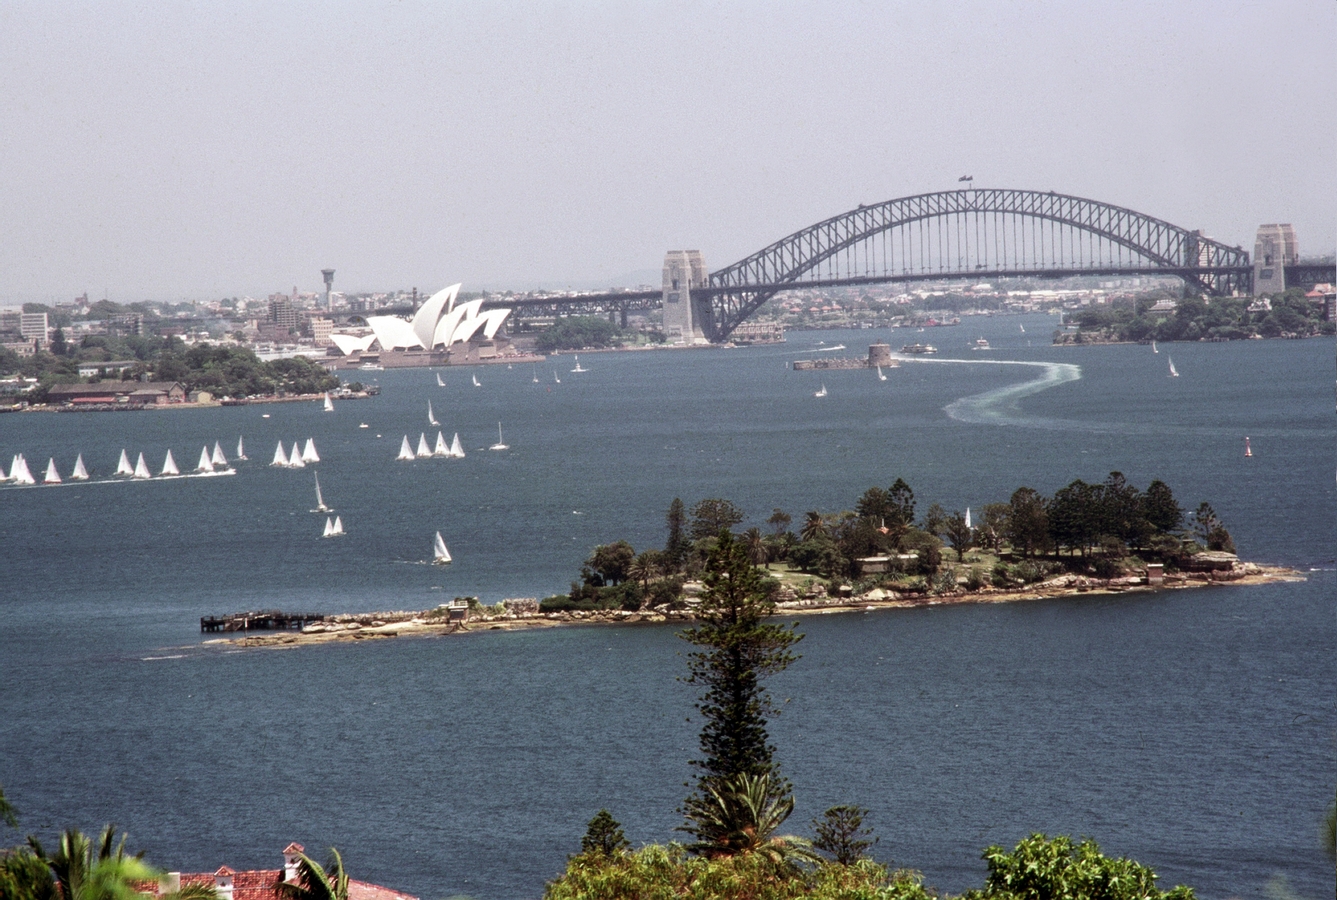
[(1000, 406)]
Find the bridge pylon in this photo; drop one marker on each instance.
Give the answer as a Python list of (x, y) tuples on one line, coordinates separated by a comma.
[(686, 318)]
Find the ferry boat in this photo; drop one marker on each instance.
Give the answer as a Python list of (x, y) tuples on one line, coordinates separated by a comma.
[(919, 348)]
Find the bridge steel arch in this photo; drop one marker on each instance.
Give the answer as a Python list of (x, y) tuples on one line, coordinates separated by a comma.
[(974, 233)]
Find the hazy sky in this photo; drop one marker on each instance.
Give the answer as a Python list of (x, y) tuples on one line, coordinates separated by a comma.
[(197, 150)]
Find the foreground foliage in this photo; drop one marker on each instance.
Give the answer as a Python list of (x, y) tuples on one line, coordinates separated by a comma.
[(1044, 868)]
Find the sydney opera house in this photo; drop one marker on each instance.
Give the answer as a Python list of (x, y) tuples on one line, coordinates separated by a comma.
[(428, 338)]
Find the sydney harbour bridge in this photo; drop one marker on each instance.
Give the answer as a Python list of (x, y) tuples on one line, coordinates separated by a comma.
[(981, 234)]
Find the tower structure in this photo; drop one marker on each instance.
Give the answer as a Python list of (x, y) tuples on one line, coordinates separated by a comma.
[(328, 275), (683, 271), (1274, 249)]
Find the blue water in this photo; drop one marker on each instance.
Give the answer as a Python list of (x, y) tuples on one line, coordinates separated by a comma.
[(1192, 730)]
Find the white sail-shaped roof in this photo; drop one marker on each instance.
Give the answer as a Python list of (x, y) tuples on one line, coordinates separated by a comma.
[(446, 327), (467, 328), (309, 453), (52, 476), (393, 333), (494, 318), (424, 321), (349, 344), (405, 449)]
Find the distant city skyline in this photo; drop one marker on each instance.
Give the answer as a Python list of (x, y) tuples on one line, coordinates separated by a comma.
[(195, 153)]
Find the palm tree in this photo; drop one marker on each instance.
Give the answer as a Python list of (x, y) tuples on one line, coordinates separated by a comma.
[(741, 816), (814, 526), (316, 883), (756, 547), (85, 870)]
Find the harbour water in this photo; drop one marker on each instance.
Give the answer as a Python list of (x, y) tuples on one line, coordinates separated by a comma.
[(1192, 730)]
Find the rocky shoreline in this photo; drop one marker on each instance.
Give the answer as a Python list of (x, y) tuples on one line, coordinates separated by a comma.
[(524, 614)]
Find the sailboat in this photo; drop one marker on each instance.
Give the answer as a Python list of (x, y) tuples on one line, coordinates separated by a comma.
[(439, 382), (424, 451), (329, 527), (79, 473), (280, 456), (880, 376), (1153, 347), (1174, 373), (405, 451), (822, 392), (295, 458), (431, 419), (536, 374), (320, 501), (142, 468), (500, 444), (476, 382), (1248, 451), (1022, 327), (52, 476), (440, 555), (338, 527), (578, 367), (206, 463), (241, 450), (123, 467), (555, 378), (169, 466), (441, 448), (219, 459), (968, 525), (329, 404), (19, 473), (309, 454), (456, 448)]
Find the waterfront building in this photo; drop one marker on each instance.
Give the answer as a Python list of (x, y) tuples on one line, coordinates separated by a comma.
[(262, 884), (35, 327), (140, 393), (437, 325)]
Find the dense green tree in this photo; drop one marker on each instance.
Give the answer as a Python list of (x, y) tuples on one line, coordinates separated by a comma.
[(1027, 521), (713, 515), (779, 521), (814, 526), (736, 650), (740, 815), (8, 814), (315, 882), (25, 876), (1074, 516), (959, 534), (993, 525), (578, 333), (603, 835), (840, 833), (1043, 868), (58, 345), (675, 548), (902, 506), (1160, 509), (1210, 531), (935, 520), (820, 556), (1123, 511), (94, 869), (612, 561), (756, 546)]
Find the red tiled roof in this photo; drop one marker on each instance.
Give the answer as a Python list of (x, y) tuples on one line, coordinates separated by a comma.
[(260, 884)]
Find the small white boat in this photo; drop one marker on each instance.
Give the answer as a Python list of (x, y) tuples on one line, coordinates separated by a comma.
[(555, 378), (424, 451), (309, 454), (431, 419), (981, 344), (338, 527), (536, 374), (19, 473), (439, 382), (123, 467), (1174, 373), (1153, 347), (241, 449), (295, 460), (51, 476), (320, 501), (476, 382), (880, 376), (329, 527), (456, 448), (579, 367), (440, 555), (371, 367), (329, 404), (80, 473), (441, 448), (1248, 451), (169, 466), (363, 425), (219, 460), (280, 456), (206, 463), (500, 444), (405, 449), (142, 468), (1023, 328), (822, 392)]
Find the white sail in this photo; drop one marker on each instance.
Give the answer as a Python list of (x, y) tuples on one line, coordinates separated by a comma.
[(142, 468), (578, 367), (329, 404), (536, 374), (80, 473), (169, 466), (405, 450), (1174, 373), (329, 527), (295, 458), (440, 555), (241, 450), (441, 448), (501, 443), (431, 419), (338, 526), (52, 476), (1153, 347), (822, 392), (123, 467), (968, 525), (456, 448), (309, 454), (555, 378), (219, 459), (439, 382), (320, 501), (206, 462), (280, 456), (24, 474), (475, 378), (880, 376), (424, 450)]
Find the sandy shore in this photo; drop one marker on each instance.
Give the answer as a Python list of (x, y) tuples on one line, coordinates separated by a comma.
[(383, 625)]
